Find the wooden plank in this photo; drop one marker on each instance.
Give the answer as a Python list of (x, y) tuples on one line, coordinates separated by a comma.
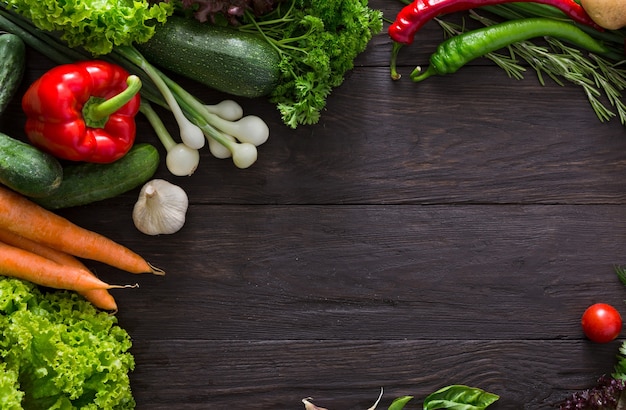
[(348, 375), (355, 272)]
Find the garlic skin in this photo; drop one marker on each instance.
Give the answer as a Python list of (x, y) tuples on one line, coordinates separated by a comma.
[(161, 208)]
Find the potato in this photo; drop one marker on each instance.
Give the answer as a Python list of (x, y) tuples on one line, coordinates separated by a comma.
[(609, 14)]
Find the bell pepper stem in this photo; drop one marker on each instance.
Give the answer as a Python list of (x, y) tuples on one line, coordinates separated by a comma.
[(103, 109)]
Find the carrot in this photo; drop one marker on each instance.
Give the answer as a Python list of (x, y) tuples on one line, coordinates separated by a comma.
[(18, 263), (101, 298), (27, 219)]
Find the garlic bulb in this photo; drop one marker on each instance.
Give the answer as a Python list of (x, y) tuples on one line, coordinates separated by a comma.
[(161, 208)]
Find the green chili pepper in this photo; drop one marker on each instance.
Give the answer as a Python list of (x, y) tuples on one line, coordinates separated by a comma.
[(457, 51)]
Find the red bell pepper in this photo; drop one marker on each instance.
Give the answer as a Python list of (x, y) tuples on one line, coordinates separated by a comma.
[(83, 111)]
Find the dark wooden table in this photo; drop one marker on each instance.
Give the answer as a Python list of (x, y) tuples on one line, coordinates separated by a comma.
[(447, 232)]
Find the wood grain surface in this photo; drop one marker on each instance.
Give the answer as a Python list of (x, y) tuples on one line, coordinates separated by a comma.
[(447, 232)]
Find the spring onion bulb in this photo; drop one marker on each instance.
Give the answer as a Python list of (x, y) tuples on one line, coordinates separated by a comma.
[(250, 128), (218, 150), (181, 160), (244, 154), (226, 109)]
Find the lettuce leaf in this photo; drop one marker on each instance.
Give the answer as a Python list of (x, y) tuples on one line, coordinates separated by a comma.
[(10, 395), (59, 352), (96, 25)]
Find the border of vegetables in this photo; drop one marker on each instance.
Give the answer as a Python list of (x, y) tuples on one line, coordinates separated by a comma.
[(198, 122)]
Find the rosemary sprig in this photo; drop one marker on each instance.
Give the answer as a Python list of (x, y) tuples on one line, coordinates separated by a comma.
[(562, 62), (602, 80), (614, 82), (621, 275)]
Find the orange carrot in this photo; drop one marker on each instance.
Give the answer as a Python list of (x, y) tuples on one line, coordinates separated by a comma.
[(18, 263), (101, 298), (27, 219)]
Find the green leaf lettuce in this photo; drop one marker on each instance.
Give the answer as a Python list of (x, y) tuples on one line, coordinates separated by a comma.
[(96, 25), (59, 352)]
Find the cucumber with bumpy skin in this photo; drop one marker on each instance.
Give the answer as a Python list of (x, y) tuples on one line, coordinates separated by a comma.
[(12, 66), (231, 61), (28, 170), (86, 182)]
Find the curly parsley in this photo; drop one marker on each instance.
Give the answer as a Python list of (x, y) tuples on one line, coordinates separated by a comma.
[(318, 41)]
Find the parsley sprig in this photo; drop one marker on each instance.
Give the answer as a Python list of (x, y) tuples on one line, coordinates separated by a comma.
[(318, 41)]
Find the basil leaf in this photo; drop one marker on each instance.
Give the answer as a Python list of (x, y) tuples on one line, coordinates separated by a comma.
[(459, 397), (399, 403)]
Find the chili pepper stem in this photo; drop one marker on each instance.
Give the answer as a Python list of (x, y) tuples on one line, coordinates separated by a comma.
[(418, 75), (394, 59), (97, 111)]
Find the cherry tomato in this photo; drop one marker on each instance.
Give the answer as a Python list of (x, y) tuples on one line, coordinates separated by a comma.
[(601, 323)]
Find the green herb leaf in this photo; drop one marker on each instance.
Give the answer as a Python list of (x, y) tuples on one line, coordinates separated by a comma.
[(318, 41), (619, 371), (621, 274), (459, 397), (400, 402)]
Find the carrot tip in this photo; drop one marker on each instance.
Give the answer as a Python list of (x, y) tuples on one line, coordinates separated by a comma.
[(136, 285), (156, 271)]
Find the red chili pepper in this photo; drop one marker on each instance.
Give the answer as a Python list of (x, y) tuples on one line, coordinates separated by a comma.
[(413, 17), (83, 111)]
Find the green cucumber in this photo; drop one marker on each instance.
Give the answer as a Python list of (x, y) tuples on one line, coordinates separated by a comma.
[(28, 170), (84, 183), (227, 60), (12, 66)]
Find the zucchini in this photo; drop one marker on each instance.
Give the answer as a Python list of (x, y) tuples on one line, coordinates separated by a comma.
[(227, 60), (87, 182), (12, 66), (28, 170)]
